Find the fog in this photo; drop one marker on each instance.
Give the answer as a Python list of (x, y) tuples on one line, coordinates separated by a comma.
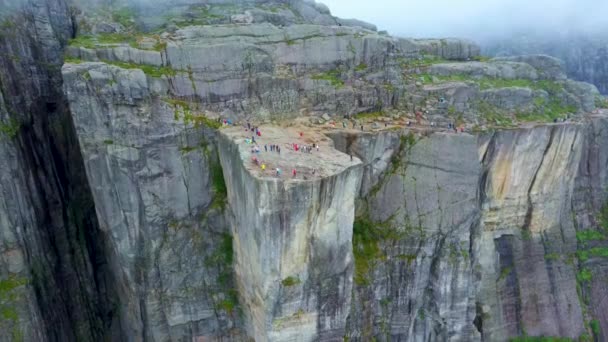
[(477, 19)]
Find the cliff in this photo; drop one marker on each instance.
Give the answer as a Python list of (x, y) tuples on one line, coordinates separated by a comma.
[(583, 54), (395, 228)]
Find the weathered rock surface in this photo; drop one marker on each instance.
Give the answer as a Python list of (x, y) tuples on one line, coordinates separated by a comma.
[(504, 210), (548, 67), (583, 55), (505, 70), (55, 281), (152, 177), (293, 237)]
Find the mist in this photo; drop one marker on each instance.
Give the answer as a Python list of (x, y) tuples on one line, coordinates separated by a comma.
[(477, 19)]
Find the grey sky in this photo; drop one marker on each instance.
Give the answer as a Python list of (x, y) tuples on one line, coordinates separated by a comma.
[(474, 18)]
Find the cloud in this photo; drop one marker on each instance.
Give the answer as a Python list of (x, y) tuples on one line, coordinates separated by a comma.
[(475, 19)]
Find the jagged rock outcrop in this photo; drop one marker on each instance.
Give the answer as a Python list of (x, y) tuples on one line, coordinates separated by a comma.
[(293, 238), (583, 55), (550, 68)]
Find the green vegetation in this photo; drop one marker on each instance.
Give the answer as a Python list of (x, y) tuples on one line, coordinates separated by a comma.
[(200, 16), (333, 76), (222, 257), (589, 235), (584, 255), (116, 39), (481, 58), (584, 275), (10, 284), (189, 116), (422, 61), (90, 42), (540, 339), (368, 237), (361, 67), (365, 249), (547, 111), (9, 299), (595, 327), (493, 115), (290, 281), (108, 142), (72, 60), (187, 149), (504, 273), (601, 102), (150, 70), (552, 256), (124, 16), (369, 115), (10, 129)]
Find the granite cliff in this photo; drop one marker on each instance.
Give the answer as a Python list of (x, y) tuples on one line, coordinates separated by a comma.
[(584, 54), (131, 211)]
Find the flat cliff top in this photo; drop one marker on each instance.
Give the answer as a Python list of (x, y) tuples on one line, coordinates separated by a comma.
[(321, 163)]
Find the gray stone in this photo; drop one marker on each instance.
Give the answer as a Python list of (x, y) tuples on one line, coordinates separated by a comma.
[(547, 66)]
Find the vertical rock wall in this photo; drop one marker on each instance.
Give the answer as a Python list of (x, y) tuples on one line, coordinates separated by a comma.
[(158, 191), (55, 283), (293, 248), (480, 238)]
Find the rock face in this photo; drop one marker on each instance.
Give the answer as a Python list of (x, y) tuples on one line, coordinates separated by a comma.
[(583, 56), (293, 241), (55, 281), (475, 238), (160, 203), (129, 212)]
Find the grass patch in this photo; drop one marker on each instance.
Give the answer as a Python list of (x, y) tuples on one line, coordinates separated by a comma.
[(108, 142), (601, 102), (332, 76), (422, 61), (8, 285), (230, 302), (481, 58), (589, 235), (552, 256), (369, 115), (584, 275), (72, 60), (113, 39), (504, 273), (595, 327), (365, 249), (123, 16), (11, 128), (493, 115), (361, 67), (600, 252), (150, 70), (290, 281), (367, 239)]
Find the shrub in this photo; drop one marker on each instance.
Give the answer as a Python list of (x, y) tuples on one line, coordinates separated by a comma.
[(290, 281)]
